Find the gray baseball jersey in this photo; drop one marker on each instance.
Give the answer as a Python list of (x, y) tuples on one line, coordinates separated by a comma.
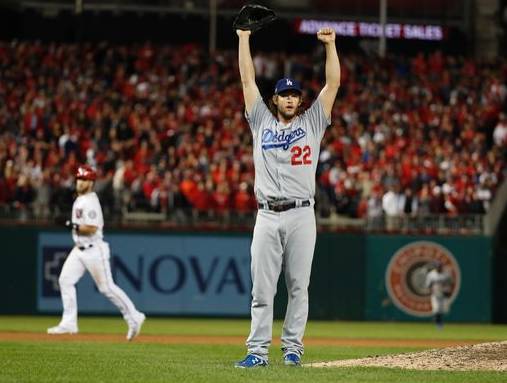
[(285, 159), (286, 156), (438, 283)]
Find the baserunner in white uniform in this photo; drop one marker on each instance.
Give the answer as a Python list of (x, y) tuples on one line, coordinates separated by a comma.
[(286, 145), (90, 253)]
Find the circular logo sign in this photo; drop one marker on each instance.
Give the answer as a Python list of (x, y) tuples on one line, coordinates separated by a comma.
[(406, 276)]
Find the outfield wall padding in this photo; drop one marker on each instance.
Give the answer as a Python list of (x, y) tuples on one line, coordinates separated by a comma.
[(337, 281), (207, 274), (473, 255), (18, 273)]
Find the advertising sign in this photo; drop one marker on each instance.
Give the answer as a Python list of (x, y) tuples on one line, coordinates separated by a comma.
[(373, 30), (162, 274), (406, 276)]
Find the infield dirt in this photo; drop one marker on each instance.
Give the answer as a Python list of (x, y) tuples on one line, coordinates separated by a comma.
[(227, 340), (484, 356)]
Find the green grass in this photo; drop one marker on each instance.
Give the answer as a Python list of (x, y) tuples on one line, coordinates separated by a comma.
[(80, 361), (240, 327)]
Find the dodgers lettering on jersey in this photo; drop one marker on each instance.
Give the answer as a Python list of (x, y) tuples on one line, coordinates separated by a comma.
[(286, 156), (86, 210), (283, 139)]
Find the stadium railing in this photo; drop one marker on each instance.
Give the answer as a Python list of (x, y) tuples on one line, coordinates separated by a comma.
[(429, 224)]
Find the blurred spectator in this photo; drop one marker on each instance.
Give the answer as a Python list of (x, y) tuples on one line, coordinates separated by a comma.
[(375, 210), (500, 132), (410, 203), (164, 126), (43, 196), (23, 196), (393, 203)]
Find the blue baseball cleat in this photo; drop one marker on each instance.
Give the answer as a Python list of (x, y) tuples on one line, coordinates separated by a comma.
[(292, 359), (251, 361)]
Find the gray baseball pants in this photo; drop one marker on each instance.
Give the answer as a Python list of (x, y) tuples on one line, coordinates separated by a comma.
[(281, 240)]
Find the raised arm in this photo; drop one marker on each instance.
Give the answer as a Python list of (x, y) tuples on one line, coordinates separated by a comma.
[(247, 70), (328, 93)]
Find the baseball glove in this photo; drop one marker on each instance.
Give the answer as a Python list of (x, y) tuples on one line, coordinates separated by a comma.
[(253, 17)]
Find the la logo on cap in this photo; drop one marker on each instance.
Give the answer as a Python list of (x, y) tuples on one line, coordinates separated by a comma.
[(289, 82)]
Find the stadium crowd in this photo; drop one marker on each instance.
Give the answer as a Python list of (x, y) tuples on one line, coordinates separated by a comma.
[(164, 127)]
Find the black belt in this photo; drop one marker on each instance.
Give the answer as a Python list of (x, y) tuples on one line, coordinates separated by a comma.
[(85, 247), (283, 205)]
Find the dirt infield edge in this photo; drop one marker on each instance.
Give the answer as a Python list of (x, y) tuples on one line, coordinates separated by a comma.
[(228, 340)]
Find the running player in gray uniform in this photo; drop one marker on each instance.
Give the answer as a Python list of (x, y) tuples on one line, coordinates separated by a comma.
[(286, 148), (439, 282)]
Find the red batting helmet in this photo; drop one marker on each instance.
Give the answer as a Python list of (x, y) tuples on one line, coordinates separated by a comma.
[(86, 172)]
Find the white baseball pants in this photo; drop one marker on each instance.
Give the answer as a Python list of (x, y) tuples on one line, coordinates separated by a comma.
[(96, 260)]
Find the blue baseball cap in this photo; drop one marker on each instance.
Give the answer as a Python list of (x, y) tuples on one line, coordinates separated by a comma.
[(287, 84)]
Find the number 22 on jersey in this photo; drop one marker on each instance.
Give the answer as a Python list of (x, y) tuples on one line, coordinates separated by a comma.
[(301, 156)]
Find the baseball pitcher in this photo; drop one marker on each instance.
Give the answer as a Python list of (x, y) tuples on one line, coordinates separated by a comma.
[(286, 145), (90, 253)]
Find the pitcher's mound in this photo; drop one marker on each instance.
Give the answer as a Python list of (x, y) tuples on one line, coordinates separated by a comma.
[(484, 356)]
